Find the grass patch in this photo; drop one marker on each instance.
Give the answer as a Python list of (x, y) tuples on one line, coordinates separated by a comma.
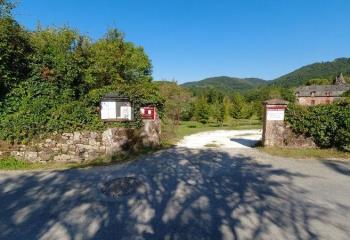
[(186, 128), (306, 153), (11, 163)]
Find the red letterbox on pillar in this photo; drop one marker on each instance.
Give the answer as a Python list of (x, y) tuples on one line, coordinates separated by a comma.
[(148, 113)]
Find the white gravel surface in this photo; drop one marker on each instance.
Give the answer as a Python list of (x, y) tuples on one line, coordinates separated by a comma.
[(222, 139)]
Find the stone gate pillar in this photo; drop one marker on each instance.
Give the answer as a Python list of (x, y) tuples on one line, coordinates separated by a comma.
[(273, 127)]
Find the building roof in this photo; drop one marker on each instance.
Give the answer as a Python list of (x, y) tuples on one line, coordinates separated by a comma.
[(322, 90)]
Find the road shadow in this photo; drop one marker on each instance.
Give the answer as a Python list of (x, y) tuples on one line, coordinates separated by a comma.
[(339, 167), (186, 194), (245, 142)]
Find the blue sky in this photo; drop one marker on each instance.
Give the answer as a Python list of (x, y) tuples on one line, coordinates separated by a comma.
[(188, 40)]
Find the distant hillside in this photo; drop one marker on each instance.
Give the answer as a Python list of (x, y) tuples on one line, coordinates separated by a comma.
[(317, 71), (226, 83), (327, 70)]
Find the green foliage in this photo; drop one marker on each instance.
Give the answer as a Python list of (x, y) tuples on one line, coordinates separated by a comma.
[(15, 51), (257, 96), (115, 61), (318, 81), (6, 8), (202, 111), (226, 103), (328, 125), (177, 101), (240, 108), (10, 163), (346, 94), (54, 79), (224, 84), (323, 70), (218, 112)]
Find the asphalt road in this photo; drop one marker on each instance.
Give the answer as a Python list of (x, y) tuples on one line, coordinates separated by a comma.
[(185, 194)]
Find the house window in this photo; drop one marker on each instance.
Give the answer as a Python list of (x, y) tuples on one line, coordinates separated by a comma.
[(312, 102), (328, 93), (312, 93)]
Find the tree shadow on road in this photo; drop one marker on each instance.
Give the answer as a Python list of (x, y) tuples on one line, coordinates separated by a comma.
[(340, 167), (187, 194), (245, 142)]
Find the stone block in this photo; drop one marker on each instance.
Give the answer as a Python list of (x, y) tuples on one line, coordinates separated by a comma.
[(77, 136), (107, 136), (31, 156), (67, 136), (45, 156), (64, 148), (62, 158)]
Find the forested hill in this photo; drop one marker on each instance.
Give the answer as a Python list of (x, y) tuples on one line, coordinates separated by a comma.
[(323, 70), (224, 83)]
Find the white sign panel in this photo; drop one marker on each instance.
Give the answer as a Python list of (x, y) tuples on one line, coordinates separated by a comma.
[(125, 112), (108, 110), (275, 115)]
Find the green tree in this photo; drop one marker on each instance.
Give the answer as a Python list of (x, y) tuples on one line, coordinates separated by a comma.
[(318, 81), (218, 112), (114, 61), (177, 100), (15, 52), (227, 107), (202, 111), (6, 8), (240, 108), (58, 59), (55, 77)]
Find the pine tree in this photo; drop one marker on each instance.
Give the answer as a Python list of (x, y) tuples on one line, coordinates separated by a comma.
[(202, 110)]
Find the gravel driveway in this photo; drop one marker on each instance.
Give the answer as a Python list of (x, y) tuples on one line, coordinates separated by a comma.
[(182, 193), (222, 139)]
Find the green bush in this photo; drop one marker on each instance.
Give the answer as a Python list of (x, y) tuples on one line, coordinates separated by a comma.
[(60, 78), (328, 125)]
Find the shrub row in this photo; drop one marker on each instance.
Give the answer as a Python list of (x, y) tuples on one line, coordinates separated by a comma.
[(328, 125)]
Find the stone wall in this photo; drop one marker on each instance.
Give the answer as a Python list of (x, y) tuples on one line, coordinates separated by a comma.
[(85, 146), (281, 135)]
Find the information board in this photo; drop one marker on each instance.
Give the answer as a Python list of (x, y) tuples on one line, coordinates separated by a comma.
[(108, 110), (125, 112)]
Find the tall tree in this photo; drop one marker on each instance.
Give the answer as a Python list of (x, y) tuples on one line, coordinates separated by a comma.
[(177, 100), (15, 52), (202, 111), (218, 112), (6, 8)]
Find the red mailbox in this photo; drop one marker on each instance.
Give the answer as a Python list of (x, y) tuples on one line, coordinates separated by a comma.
[(149, 113)]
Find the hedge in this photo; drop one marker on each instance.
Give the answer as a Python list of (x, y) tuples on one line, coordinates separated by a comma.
[(328, 125)]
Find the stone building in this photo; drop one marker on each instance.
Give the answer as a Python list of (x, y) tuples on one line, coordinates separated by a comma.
[(322, 94)]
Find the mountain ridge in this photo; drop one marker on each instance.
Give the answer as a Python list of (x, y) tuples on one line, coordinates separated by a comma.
[(298, 77), (226, 83)]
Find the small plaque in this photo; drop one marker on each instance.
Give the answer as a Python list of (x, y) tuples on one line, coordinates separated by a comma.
[(148, 113), (276, 114)]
